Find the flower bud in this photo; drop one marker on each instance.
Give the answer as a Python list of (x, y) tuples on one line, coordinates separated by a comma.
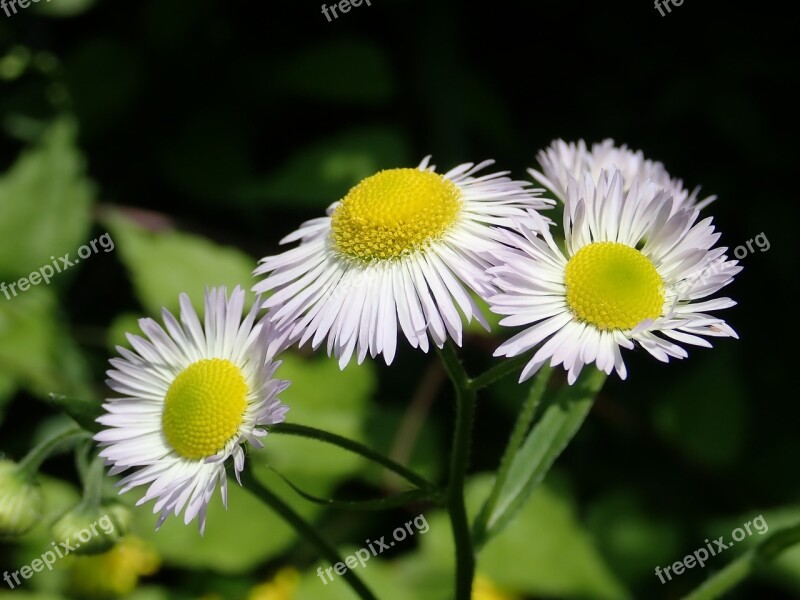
[(93, 530), (20, 501)]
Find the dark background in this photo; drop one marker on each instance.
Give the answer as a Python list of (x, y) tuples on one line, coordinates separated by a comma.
[(238, 120)]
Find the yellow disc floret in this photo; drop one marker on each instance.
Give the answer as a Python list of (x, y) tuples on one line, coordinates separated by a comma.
[(394, 213), (204, 407), (613, 286)]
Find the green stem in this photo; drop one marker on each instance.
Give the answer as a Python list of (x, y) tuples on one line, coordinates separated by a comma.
[(352, 446), (93, 485), (456, 507), (497, 372), (31, 463), (520, 431), (737, 571), (305, 529)]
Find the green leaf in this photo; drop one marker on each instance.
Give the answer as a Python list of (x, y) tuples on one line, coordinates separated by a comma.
[(324, 397), (45, 203), (688, 410), (783, 569), (324, 171), (379, 575), (235, 541), (63, 8), (560, 422), (123, 324), (82, 410), (164, 264), (544, 552), (526, 415), (555, 555), (721, 583), (631, 538), (35, 349)]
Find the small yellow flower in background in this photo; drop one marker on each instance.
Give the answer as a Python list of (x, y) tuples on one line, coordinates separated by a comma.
[(483, 589), (115, 573), (281, 587)]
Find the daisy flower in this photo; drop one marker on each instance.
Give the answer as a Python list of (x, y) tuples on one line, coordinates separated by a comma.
[(191, 394), (563, 161), (634, 270), (401, 249)]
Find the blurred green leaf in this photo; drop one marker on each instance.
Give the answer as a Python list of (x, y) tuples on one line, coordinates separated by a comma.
[(121, 325), (784, 569), (235, 541), (561, 420), (545, 551), (63, 8), (164, 264), (427, 456), (82, 410), (492, 318), (321, 396), (553, 553), (689, 408), (324, 171), (379, 576), (45, 203), (341, 71), (632, 540), (35, 349)]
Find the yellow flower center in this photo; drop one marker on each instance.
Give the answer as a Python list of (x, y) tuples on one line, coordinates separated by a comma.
[(394, 213), (613, 286), (204, 407)]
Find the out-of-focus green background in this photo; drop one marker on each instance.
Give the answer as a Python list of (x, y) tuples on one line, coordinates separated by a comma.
[(198, 133)]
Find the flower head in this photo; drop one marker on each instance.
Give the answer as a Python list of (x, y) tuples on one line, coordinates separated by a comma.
[(633, 270), (192, 394), (402, 249), (563, 161)]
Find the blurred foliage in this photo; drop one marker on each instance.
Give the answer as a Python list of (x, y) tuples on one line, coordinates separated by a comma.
[(198, 134)]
